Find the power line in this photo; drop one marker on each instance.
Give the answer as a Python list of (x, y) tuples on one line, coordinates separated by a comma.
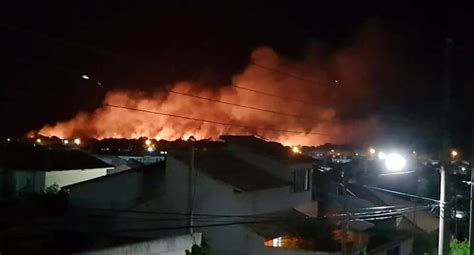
[(106, 53), (248, 106), (218, 122)]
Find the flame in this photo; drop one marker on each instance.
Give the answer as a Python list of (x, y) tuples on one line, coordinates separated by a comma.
[(319, 113)]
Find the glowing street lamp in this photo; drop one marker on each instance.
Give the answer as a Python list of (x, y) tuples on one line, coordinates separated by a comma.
[(148, 142), (372, 151), (395, 162), (77, 141), (38, 140), (295, 149), (150, 149), (65, 142), (454, 154)]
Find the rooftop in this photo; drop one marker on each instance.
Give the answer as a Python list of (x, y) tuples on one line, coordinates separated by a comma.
[(219, 163), (272, 149), (19, 156)]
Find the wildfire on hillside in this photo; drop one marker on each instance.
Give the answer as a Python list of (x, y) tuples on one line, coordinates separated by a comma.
[(306, 111)]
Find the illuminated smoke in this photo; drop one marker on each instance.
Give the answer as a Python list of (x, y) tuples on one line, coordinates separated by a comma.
[(325, 101)]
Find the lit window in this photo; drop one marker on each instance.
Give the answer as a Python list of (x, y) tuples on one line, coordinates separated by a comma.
[(275, 242)]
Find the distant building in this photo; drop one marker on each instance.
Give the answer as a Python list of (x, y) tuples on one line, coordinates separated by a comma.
[(29, 169)]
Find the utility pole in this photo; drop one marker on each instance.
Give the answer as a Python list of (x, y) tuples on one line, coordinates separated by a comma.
[(346, 217), (442, 215), (471, 203), (443, 208), (191, 186)]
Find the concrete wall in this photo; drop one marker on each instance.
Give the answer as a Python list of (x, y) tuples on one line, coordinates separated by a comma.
[(406, 247), (176, 245), (117, 191), (215, 197), (68, 177), (29, 181)]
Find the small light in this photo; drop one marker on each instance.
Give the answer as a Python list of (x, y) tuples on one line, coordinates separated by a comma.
[(336, 81), (77, 141), (38, 140), (381, 155), (454, 153), (296, 149), (459, 214), (66, 142), (147, 142), (85, 77), (8, 139), (99, 83), (149, 149), (463, 168), (332, 150), (357, 154), (372, 151), (339, 154), (414, 152)]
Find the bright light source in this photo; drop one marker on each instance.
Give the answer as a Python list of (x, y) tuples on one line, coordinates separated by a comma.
[(85, 77), (339, 154), (296, 149), (463, 168), (372, 151), (381, 155), (332, 150), (147, 142), (8, 139), (356, 154), (414, 152), (38, 140), (150, 149), (459, 214), (395, 162), (454, 153), (77, 141), (66, 142)]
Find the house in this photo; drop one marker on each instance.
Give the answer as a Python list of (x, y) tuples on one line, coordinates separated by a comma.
[(27, 168)]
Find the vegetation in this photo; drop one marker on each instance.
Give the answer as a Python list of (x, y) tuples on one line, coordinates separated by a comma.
[(459, 248)]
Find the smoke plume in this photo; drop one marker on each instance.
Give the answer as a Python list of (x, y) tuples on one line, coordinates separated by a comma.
[(315, 97)]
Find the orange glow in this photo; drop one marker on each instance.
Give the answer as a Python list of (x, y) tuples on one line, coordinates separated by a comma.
[(77, 141), (296, 149), (106, 122)]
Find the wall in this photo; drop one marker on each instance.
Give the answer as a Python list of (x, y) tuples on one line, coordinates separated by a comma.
[(117, 191), (68, 177), (406, 247), (215, 197), (176, 245), (29, 182)]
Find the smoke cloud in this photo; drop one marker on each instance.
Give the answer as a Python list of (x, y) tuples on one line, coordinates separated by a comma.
[(330, 90)]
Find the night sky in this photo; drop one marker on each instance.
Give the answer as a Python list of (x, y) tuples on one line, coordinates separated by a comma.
[(47, 47)]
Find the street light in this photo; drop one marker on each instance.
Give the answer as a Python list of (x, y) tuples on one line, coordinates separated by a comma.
[(395, 162), (296, 149), (77, 141), (454, 153), (372, 151)]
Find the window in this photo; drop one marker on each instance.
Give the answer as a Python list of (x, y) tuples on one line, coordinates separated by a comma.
[(275, 242), (301, 180)]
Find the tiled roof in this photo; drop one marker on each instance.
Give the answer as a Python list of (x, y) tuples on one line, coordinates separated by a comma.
[(220, 164)]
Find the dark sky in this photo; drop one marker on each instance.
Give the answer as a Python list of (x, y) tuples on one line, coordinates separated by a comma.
[(46, 47)]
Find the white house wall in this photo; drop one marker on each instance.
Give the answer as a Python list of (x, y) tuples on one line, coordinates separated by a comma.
[(176, 245), (216, 197), (68, 177)]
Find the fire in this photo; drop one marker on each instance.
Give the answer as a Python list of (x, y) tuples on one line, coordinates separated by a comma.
[(318, 114)]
